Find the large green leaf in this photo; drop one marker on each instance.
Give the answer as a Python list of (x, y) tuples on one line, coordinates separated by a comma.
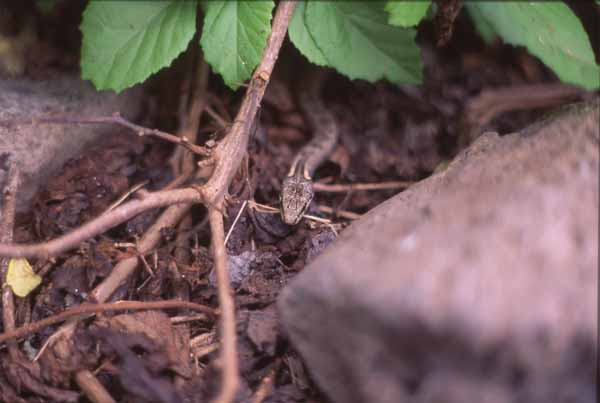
[(481, 25), (234, 36), (550, 31), (124, 42), (301, 37), (355, 39), (406, 13)]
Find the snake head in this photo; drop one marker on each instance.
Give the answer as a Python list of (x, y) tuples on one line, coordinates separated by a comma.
[(296, 194)]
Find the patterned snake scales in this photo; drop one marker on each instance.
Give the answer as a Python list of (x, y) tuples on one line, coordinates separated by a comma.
[(297, 188)]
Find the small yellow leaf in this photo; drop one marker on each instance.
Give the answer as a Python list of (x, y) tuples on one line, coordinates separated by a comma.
[(21, 277)]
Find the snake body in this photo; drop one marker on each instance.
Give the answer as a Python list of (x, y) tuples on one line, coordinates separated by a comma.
[(297, 188)]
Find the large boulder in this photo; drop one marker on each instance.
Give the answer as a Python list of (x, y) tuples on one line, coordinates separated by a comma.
[(479, 284), (41, 149)]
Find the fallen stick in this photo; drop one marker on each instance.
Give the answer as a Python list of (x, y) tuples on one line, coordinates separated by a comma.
[(7, 223), (95, 308)]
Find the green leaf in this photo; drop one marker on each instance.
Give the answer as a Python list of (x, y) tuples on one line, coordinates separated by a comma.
[(234, 36), (406, 13), (550, 31), (355, 39), (124, 42), (301, 37), (481, 25)]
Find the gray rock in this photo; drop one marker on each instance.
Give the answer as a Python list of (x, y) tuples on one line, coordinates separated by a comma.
[(40, 150), (478, 284)]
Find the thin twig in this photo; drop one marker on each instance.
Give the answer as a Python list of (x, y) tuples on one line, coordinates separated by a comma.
[(178, 320), (484, 107), (237, 217), (124, 197), (222, 110), (101, 224), (317, 219), (191, 120), (178, 181), (204, 351), (490, 103), (229, 358), (339, 213), (266, 384), (116, 118), (262, 208), (108, 307), (93, 389), (46, 267), (220, 121), (146, 265), (229, 154), (64, 331), (186, 163), (7, 224), (341, 188)]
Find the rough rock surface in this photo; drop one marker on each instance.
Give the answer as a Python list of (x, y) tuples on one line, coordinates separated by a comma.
[(479, 284), (39, 150)]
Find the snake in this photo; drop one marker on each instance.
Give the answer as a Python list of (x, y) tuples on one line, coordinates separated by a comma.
[(297, 187)]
